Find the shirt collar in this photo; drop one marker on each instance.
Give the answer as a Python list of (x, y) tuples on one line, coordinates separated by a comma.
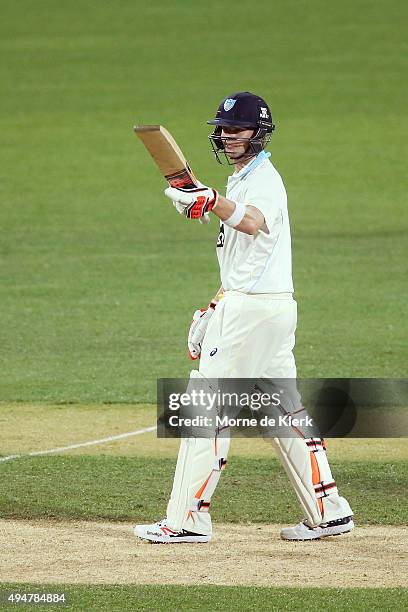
[(252, 165)]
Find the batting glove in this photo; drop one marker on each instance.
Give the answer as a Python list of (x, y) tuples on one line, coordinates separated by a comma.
[(197, 330), (193, 203)]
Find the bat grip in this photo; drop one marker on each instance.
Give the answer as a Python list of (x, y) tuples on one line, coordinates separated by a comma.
[(205, 219)]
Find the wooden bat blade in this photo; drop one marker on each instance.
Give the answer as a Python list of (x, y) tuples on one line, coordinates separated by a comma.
[(167, 155)]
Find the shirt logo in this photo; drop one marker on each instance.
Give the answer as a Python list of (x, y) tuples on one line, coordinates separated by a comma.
[(213, 352), (264, 113), (228, 104), (221, 237)]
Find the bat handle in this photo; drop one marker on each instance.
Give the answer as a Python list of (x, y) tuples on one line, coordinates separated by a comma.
[(205, 220)]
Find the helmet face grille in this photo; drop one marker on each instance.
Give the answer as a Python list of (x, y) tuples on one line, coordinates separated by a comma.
[(256, 144)]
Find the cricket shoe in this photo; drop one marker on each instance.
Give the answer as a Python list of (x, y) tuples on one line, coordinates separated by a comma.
[(159, 533), (303, 531)]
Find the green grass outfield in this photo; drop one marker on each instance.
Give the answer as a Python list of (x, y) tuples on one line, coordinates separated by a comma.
[(99, 276), (137, 489), (111, 597)]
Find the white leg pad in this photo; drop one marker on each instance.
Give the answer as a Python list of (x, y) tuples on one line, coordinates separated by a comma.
[(305, 462), (198, 469)]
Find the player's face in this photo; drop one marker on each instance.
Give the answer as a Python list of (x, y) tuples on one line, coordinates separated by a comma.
[(236, 141)]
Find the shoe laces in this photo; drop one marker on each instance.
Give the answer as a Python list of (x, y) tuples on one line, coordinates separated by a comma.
[(306, 523)]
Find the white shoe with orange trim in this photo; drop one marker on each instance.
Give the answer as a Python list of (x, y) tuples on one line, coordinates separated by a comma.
[(303, 531), (159, 533)]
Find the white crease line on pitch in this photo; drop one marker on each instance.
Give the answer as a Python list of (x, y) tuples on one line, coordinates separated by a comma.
[(60, 449)]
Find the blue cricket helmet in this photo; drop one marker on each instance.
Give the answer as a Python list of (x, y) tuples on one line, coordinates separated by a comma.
[(247, 111), (244, 109)]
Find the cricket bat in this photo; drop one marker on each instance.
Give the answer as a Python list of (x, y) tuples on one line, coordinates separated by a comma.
[(168, 157)]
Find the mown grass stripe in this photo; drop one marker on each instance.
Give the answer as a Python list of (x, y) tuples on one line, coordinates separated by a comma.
[(137, 489)]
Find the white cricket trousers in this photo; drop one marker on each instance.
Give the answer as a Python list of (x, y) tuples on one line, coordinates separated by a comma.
[(251, 336)]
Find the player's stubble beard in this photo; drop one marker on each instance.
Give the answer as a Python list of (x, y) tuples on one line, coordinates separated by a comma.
[(239, 160)]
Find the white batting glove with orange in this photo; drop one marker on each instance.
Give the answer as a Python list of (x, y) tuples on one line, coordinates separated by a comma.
[(197, 330), (193, 203)]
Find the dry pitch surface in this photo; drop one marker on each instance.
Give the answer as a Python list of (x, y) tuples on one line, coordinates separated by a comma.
[(108, 553)]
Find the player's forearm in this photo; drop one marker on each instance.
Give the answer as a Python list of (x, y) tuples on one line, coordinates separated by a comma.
[(251, 222)]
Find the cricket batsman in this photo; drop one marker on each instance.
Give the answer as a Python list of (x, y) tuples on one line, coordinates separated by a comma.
[(248, 329)]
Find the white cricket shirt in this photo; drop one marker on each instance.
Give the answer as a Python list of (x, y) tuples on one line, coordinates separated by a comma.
[(260, 263)]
